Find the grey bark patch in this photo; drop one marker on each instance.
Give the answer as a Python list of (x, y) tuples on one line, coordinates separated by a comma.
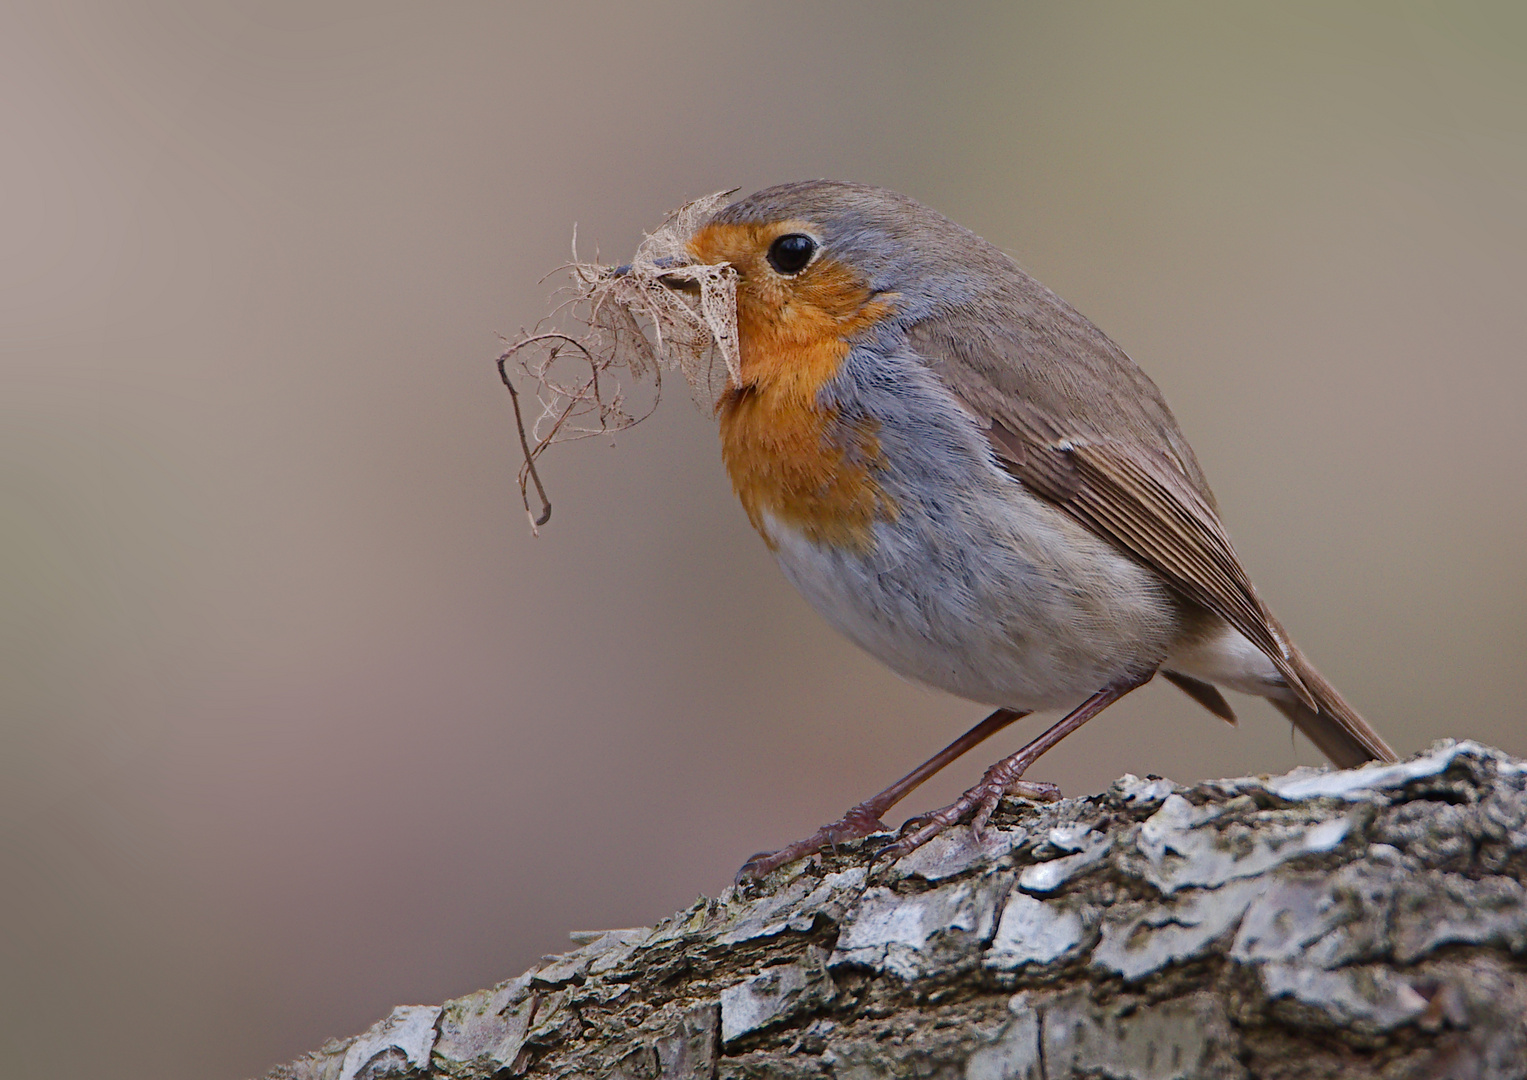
[(1137, 943), (1368, 999), (775, 994), (551, 1020), (397, 1046), (1033, 931), (1052, 876), (1017, 1053), (1372, 927), (688, 1053), (1367, 781), (1433, 910), (1185, 1039), (1138, 794), (793, 908), (1075, 836), (952, 853), (603, 950), (1184, 848), (484, 1032), (1282, 921), (910, 936)]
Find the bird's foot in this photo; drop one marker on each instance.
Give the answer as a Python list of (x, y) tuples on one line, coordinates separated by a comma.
[(861, 821), (975, 806)]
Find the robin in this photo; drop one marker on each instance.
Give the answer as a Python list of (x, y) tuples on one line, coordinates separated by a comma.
[(973, 483)]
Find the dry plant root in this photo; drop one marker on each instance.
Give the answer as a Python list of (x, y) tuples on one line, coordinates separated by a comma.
[(659, 312)]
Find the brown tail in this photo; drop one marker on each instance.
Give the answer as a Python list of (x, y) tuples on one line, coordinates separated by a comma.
[(1336, 729)]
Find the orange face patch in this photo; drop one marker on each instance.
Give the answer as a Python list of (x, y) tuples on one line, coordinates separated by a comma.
[(786, 454)]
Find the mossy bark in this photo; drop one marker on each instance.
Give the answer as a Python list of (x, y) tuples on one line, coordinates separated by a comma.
[(1369, 923)]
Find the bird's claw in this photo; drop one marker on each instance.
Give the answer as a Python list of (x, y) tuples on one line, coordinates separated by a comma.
[(859, 822), (975, 806)]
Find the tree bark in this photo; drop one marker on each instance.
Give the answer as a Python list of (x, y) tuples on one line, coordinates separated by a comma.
[(1369, 923)]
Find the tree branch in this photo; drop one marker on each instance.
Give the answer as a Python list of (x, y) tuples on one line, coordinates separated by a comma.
[(1367, 923)]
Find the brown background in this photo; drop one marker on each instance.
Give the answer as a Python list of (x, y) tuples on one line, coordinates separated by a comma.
[(298, 722)]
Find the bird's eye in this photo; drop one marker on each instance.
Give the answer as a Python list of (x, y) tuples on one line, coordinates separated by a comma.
[(791, 252)]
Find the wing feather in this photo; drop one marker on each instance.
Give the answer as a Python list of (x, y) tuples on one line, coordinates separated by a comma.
[(1120, 466)]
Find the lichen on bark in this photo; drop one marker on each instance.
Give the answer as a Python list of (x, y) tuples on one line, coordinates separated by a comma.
[(1370, 923)]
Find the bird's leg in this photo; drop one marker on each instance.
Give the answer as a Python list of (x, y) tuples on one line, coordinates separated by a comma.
[(865, 818), (1006, 776)]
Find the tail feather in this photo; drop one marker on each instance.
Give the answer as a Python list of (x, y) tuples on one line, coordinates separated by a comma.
[(1206, 694), (1335, 727)]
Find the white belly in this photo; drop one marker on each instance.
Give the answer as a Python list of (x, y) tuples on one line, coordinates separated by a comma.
[(1017, 605)]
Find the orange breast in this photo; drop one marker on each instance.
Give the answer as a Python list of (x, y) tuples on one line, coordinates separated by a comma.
[(788, 460), (787, 455)]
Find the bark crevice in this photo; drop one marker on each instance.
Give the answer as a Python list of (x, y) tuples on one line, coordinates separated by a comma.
[(1369, 923)]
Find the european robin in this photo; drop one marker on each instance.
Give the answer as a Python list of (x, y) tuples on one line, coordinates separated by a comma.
[(974, 484)]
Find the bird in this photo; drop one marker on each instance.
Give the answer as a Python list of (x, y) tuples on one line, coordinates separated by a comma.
[(973, 483)]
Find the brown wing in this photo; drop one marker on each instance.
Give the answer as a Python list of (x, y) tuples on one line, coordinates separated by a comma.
[(1082, 426)]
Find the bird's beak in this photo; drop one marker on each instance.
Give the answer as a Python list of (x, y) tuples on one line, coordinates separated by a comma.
[(678, 281), (681, 283)]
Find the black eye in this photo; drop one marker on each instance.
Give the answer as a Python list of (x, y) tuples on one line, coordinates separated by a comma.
[(791, 252)]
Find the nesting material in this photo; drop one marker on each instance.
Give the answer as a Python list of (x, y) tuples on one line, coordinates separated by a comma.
[(624, 325)]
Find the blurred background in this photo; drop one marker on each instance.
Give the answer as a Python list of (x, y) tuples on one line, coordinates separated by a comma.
[(297, 720)]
